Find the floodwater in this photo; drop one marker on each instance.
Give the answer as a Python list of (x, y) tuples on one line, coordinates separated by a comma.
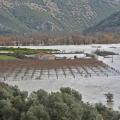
[(92, 89)]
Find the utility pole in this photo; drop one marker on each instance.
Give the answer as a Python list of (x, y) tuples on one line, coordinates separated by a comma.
[(112, 59)]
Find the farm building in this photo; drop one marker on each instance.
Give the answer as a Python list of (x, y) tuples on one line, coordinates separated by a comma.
[(42, 56)]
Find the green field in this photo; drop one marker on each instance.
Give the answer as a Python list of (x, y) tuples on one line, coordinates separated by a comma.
[(20, 53), (25, 51), (5, 57)]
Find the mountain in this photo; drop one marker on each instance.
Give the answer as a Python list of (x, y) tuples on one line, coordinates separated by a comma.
[(25, 16), (110, 24)]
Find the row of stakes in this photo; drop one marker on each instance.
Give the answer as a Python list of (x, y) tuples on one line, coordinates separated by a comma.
[(86, 75)]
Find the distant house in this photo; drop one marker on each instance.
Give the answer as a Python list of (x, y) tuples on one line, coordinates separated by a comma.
[(60, 58), (42, 56)]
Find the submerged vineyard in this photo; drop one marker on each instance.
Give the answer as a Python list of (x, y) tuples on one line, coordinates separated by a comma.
[(40, 70)]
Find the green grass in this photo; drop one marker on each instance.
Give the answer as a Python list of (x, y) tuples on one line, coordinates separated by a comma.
[(5, 57), (14, 53), (26, 51)]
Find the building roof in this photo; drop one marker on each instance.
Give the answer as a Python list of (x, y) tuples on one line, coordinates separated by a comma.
[(44, 54)]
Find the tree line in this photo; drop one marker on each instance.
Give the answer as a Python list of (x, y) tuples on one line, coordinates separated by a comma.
[(59, 39)]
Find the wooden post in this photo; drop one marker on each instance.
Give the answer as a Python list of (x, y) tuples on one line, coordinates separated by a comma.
[(110, 101)]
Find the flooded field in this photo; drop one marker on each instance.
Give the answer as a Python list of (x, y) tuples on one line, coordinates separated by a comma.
[(92, 88), (20, 70)]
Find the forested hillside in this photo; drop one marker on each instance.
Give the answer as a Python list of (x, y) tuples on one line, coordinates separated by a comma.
[(110, 24), (26, 16)]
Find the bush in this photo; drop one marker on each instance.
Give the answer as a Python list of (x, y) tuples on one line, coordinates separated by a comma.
[(64, 105)]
